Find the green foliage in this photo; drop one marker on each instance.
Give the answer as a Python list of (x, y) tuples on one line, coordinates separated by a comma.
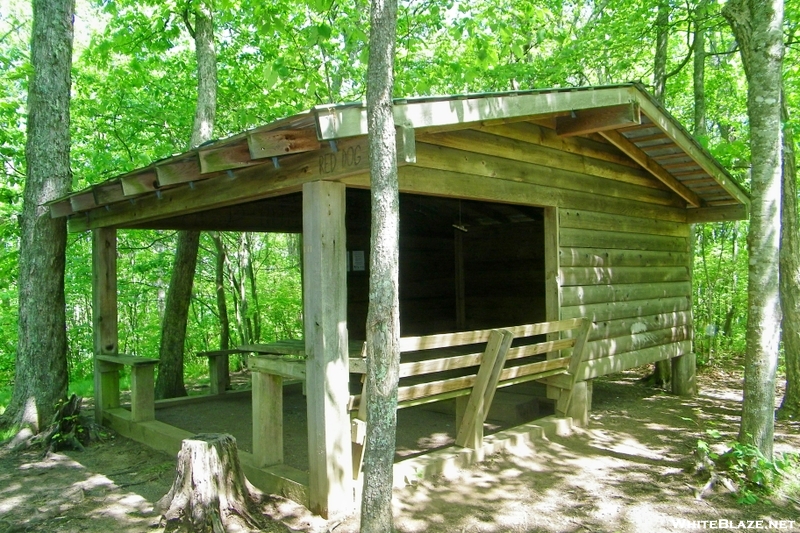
[(753, 476)]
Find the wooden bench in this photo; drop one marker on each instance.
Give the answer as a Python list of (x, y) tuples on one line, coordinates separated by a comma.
[(142, 382), (218, 369), (484, 361)]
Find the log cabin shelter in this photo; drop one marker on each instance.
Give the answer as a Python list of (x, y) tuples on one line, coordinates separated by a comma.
[(515, 209)]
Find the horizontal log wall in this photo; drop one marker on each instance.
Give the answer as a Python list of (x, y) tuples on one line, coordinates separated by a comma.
[(624, 257), (631, 276)]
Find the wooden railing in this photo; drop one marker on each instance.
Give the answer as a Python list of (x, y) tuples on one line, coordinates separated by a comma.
[(470, 366)]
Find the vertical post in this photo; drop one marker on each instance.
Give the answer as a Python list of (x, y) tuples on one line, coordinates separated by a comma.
[(552, 281), (267, 419), (325, 328), (461, 306), (143, 392), (104, 318), (684, 367)]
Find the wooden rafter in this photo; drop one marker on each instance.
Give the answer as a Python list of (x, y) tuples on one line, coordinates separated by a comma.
[(281, 142), (598, 119), (621, 142)]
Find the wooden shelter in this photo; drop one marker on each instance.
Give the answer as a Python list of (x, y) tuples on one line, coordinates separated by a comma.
[(516, 208)]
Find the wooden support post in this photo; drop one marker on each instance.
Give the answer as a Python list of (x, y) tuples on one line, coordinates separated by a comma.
[(684, 368), (552, 282), (470, 433), (218, 372), (267, 419), (104, 318), (325, 329), (143, 392), (576, 404)]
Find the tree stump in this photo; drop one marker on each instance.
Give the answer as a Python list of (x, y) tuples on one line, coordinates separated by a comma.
[(210, 492)]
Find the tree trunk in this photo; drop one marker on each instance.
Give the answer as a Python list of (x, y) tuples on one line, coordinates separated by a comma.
[(663, 369), (173, 330), (41, 377), (383, 315), (699, 71), (662, 40), (219, 281), (790, 277), (757, 25), (210, 492)]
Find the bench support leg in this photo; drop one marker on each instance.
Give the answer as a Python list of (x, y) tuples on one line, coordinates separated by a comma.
[(578, 406), (218, 371), (143, 393), (106, 386), (267, 419)]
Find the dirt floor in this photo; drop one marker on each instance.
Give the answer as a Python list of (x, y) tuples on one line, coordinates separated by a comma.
[(627, 472)]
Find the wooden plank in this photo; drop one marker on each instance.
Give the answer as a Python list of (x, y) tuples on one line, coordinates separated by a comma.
[(592, 294), (247, 184), (552, 265), (470, 433), (533, 369), (606, 329), (139, 182), (651, 166), (598, 119), (439, 365), (581, 219), (104, 318), (227, 157), (637, 308), (600, 348), (340, 121), (61, 208), (605, 257), (443, 340), (282, 142), (458, 185), (82, 201), (325, 334), (477, 152), (540, 348), (618, 275), (276, 365), (689, 146), (108, 193), (267, 419), (544, 136), (618, 363), (583, 238), (128, 360), (717, 214), (142, 392), (176, 172)]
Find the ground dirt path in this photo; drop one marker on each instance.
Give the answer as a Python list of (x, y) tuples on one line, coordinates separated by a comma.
[(626, 472)]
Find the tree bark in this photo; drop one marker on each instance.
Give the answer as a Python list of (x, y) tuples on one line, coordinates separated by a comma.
[(662, 41), (41, 377), (757, 25), (173, 330), (383, 315), (790, 276), (210, 492), (699, 70), (662, 373), (219, 281)]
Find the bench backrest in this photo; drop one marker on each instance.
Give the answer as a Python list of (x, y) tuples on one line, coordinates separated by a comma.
[(435, 373)]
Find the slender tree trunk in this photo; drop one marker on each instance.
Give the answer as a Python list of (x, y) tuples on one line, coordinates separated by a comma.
[(663, 369), (699, 71), (757, 25), (173, 330), (383, 315), (219, 281), (662, 40), (41, 362), (790, 277)]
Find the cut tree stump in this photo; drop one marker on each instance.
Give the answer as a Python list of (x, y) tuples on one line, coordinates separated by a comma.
[(210, 492)]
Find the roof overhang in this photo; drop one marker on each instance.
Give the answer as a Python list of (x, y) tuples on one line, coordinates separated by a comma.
[(274, 159)]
